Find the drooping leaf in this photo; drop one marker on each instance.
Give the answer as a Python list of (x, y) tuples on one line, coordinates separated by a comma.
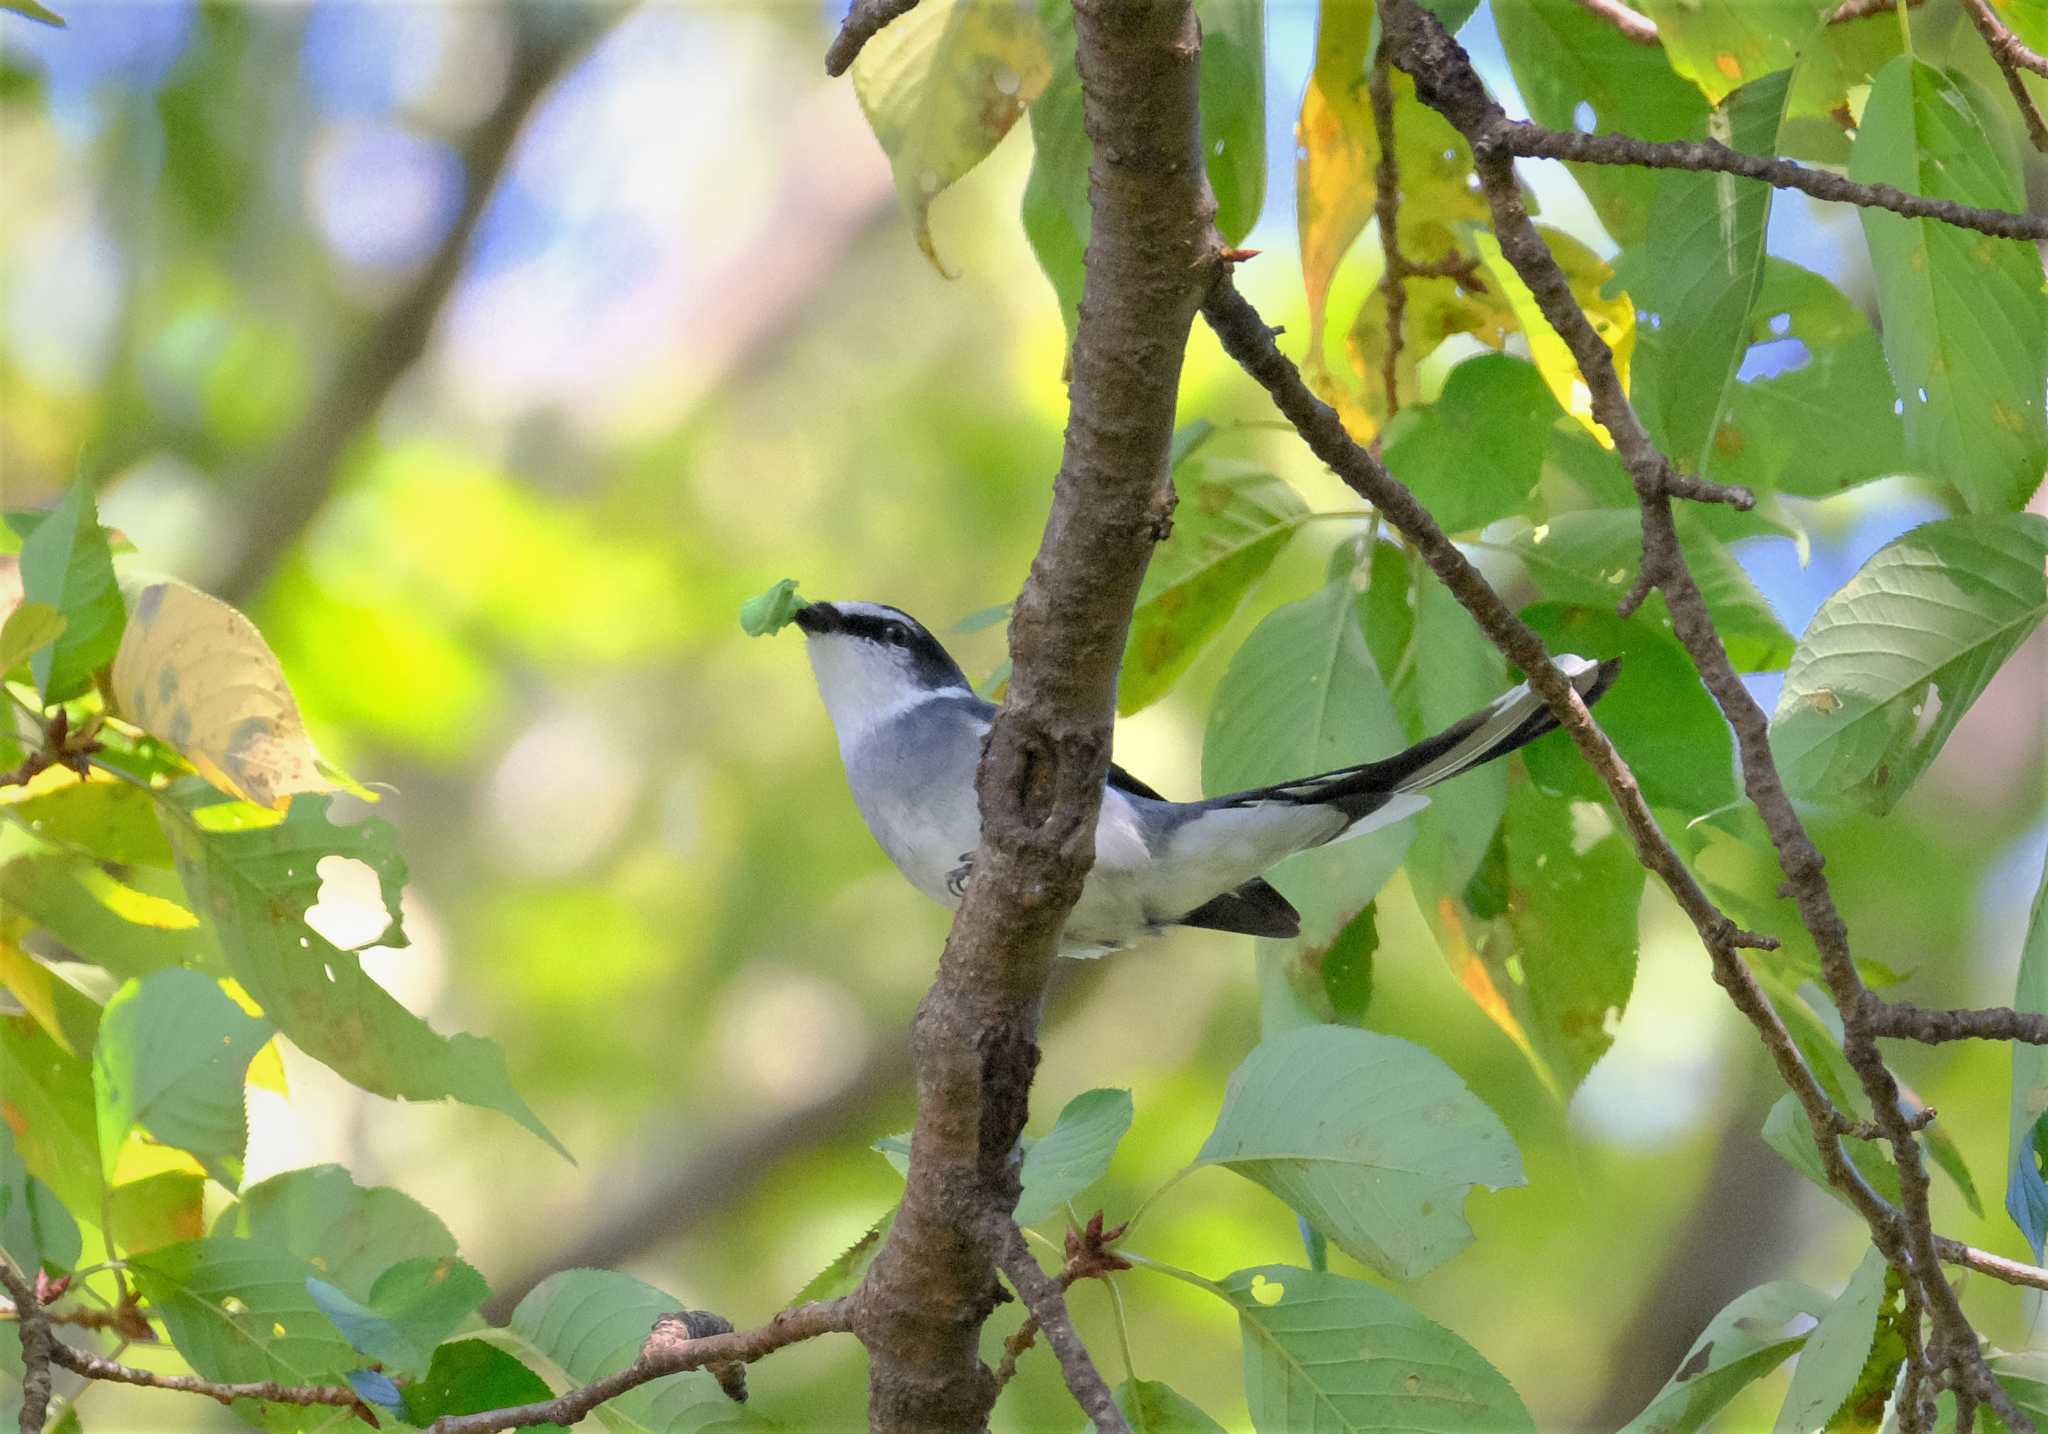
[(110, 820), (2026, 1191), (1788, 1131), (470, 1376), (1591, 557), (414, 1305), (103, 920), (844, 1275), (1825, 422), (30, 627), (1835, 1352), (348, 1235), (1230, 524), (197, 675), (238, 1311), (36, 1231), (171, 1054), (767, 613), (1474, 454), (1323, 1353), (1303, 696), (593, 1322), (1055, 206), (318, 993), (940, 86), (1898, 654), (46, 1101), (1612, 315), (1720, 44), (1695, 278), (1373, 1140), (1233, 107), (1755, 1333), (1965, 320), (1074, 1154), (67, 565)]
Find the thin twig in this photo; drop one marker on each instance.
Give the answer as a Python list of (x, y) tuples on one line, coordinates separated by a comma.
[(1969, 1257), (1934, 1026), (304, 1396), (1045, 1298), (863, 22), (38, 1346), (1633, 23), (2012, 56), (666, 1351), (1387, 204)]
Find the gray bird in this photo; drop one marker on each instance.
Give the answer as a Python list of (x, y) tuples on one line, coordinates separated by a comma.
[(910, 735)]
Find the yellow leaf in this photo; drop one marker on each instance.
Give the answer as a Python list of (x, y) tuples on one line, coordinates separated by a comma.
[(1473, 973), (141, 1158), (28, 979), (197, 675), (1614, 320), (941, 85), (266, 1070)]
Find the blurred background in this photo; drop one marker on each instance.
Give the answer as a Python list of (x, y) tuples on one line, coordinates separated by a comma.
[(489, 356)]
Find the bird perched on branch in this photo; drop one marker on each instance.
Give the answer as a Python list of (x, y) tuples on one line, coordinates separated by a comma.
[(910, 733)]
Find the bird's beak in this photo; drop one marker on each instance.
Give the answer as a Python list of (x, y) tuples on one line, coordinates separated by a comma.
[(816, 618)]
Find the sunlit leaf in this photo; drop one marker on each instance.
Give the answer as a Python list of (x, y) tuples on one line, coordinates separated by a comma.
[(158, 1210), (102, 920), (941, 85), (197, 675), (30, 983), (1373, 1140), (1231, 523), (238, 1311), (2026, 1192), (593, 1322), (844, 1275), (1834, 1353), (172, 1050), (1965, 320), (470, 1376), (36, 1231), (1474, 454), (1323, 1353), (1612, 315), (347, 1234), (414, 1305), (1720, 44), (67, 565), (1893, 659), (1074, 1154), (30, 627), (1304, 696), (46, 1101), (768, 613), (1754, 1334), (109, 819)]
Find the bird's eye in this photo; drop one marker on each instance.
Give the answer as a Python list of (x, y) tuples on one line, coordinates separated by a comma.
[(896, 635)]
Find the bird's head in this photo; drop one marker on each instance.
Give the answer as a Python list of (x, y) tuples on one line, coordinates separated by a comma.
[(872, 660)]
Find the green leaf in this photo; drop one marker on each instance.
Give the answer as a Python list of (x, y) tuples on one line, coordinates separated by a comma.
[(1233, 108), (31, 626), (1591, 557), (111, 821), (765, 614), (1965, 321), (1755, 1333), (172, 1052), (1325, 1353), (2026, 1191), (1659, 716), (592, 1323), (844, 1275), (471, 1376), (1574, 888), (34, 11), (1825, 424), (1563, 56), (1390, 603), (1695, 278), (1304, 696), (66, 565), (158, 1210), (940, 86), (1154, 1408), (1474, 454), (1720, 44), (239, 1311), (102, 920), (1074, 1154), (254, 886), (1231, 523), (1456, 672), (348, 1235), (1835, 1352), (1347, 967), (414, 1305), (36, 1231), (1055, 208), (49, 1109), (1788, 1131), (1893, 659), (284, 856), (1371, 1139)]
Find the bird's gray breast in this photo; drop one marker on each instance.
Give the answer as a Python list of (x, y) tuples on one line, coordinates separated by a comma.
[(913, 779)]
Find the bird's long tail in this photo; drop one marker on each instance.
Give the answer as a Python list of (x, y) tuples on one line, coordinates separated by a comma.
[(1514, 719)]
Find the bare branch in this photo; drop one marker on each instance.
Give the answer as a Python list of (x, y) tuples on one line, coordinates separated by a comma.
[(1531, 141), (2012, 56), (1044, 1296), (93, 1366), (863, 22), (670, 1349), (1632, 23), (2012, 1272), (38, 1345), (1387, 204), (1918, 1023)]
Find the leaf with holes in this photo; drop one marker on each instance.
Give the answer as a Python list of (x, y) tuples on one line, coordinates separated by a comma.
[(1965, 321), (170, 1058), (1323, 1353), (941, 86), (238, 1311), (1074, 1154), (1893, 659), (350, 1235), (67, 565), (1372, 1140), (1230, 524), (1754, 1334), (197, 675)]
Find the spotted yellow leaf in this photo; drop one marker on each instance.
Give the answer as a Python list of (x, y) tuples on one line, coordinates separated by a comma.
[(1614, 320), (196, 674)]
